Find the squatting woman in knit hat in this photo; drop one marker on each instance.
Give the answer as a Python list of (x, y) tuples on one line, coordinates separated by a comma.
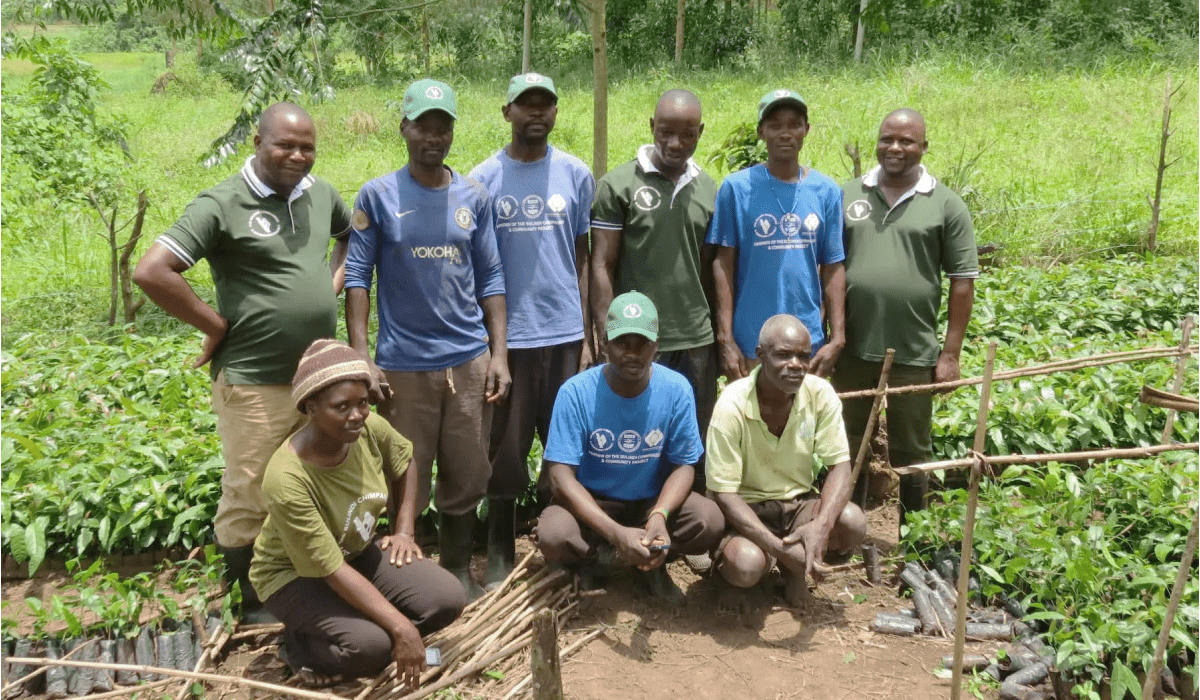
[(350, 601)]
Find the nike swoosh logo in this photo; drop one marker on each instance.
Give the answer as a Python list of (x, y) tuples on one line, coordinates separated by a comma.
[(402, 214)]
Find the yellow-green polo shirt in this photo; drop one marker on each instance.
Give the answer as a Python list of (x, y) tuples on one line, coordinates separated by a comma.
[(746, 459)]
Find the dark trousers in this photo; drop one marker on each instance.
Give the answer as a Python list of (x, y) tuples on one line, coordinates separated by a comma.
[(537, 373), (699, 366), (695, 528), (328, 635)]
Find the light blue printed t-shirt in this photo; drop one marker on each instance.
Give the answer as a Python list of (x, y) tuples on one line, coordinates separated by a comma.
[(781, 231), (539, 210), (435, 255), (624, 449)]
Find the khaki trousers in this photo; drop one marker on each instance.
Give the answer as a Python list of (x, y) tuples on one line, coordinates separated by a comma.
[(253, 420)]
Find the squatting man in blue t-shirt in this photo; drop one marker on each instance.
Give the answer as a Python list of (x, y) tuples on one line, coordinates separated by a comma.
[(623, 442)]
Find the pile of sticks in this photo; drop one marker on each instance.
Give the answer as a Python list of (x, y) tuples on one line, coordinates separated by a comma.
[(492, 635)]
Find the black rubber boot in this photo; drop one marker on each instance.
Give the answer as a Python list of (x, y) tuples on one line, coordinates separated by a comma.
[(502, 544), (913, 489), (455, 541), (237, 569)]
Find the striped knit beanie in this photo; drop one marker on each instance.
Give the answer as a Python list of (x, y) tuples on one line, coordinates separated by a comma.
[(324, 363)]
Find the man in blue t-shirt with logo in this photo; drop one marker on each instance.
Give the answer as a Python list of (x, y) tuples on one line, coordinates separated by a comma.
[(623, 442), (778, 231), (541, 200), (427, 231)]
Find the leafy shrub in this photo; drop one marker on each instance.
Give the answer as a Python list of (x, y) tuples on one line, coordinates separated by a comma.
[(740, 149), (105, 447), (1093, 554), (126, 33)]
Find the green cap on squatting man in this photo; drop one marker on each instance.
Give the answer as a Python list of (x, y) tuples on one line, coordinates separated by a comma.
[(633, 312), (428, 94), (525, 82), (776, 98)]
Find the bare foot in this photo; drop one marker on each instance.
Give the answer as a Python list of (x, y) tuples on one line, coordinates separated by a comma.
[(795, 591), (731, 599)]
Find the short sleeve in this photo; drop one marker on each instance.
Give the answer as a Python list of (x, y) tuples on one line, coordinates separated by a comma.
[(564, 444), (684, 447), (485, 254), (723, 229), (396, 450), (586, 194), (724, 465), (960, 256), (608, 210), (197, 231), (360, 258), (309, 544), (832, 250), (339, 222), (830, 440)]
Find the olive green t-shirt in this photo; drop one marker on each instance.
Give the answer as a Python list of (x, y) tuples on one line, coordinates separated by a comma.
[(894, 264), (269, 264), (662, 230), (745, 457), (319, 517)]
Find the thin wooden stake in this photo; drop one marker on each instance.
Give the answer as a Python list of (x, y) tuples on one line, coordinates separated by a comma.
[(1188, 323), (1105, 454), (1185, 569), (864, 447), (599, 90), (544, 663), (964, 562), (527, 37)]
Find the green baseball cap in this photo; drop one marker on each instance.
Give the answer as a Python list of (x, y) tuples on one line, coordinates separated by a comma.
[(427, 94), (775, 98), (525, 82), (633, 312)]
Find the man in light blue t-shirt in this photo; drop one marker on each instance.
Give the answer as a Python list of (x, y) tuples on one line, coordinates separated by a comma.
[(541, 200), (427, 231), (778, 228), (623, 442)]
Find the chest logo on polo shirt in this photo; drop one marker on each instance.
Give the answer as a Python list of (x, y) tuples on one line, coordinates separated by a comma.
[(858, 210), (532, 206), (462, 217), (654, 437), (506, 206), (556, 203), (629, 441), (263, 224), (765, 225), (647, 198), (790, 224), (601, 440), (812, 222)]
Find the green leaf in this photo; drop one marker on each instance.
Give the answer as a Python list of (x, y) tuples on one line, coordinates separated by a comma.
[(1044, 615), (35, 543), (1124, 682), (494, 675)]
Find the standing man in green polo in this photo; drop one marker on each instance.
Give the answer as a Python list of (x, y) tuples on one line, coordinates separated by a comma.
[(648, 225), (265, 233), (904, 230)]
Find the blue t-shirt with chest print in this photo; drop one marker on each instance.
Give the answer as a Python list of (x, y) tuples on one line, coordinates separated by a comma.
[(624, 448), (539, 209), (434, 251), (782, 231)]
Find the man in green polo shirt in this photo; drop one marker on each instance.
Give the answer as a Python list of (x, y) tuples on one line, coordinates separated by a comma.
[(904, 230), (771, 434), (265, 232), (649, 219)]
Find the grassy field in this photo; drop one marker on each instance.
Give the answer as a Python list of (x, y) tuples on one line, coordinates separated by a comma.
[(1055, 165)]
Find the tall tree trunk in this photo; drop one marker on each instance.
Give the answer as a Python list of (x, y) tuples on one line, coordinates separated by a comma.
[(600, 99), (680, 12), (425, 35), (527, 37)]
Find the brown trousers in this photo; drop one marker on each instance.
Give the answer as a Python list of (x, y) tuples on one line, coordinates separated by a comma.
[(324, 633), (444, 415), (695, 528)]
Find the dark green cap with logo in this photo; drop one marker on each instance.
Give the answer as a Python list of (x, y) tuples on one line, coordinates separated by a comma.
[(633, 312)]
